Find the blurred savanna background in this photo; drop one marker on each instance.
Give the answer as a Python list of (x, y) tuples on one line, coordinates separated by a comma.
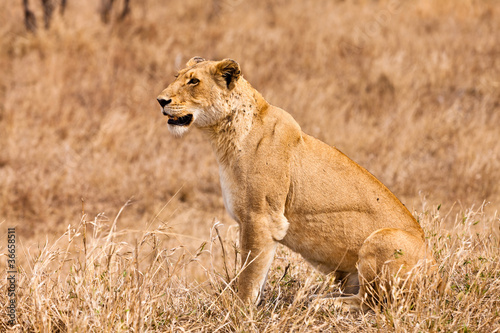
[(408, 89)]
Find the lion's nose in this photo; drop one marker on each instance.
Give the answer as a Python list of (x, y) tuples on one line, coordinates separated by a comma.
[(164, 102)]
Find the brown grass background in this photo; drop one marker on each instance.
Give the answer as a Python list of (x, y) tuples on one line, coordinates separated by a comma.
[(408, 89)]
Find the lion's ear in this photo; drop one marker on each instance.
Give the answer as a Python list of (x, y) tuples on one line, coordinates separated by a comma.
[(228, 71), (193, 61)]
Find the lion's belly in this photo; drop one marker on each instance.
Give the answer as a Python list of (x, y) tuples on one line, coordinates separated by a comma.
[(329, 241)]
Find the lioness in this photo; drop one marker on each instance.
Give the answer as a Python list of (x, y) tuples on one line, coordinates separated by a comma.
[(284, 186)]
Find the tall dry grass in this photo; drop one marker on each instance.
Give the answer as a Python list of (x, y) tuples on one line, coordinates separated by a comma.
[(410, 90), (89, 281)]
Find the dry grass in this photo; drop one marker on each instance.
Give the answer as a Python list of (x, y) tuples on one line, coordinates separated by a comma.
[(409, 90), (105, 285)]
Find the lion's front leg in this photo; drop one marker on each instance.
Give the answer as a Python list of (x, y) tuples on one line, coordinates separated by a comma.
[(257, 253)]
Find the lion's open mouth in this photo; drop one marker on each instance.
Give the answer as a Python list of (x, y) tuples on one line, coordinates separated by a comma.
[(180, 121)]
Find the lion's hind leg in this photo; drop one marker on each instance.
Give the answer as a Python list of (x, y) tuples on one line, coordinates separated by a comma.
[(386, 257)]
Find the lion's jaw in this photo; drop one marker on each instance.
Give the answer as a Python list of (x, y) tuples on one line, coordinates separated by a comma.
[(206, 117), (179, 123)]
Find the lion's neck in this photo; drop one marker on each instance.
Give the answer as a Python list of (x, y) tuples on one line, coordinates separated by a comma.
[(243, 105)]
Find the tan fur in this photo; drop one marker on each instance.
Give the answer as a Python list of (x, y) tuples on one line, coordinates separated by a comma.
[(284, 186)]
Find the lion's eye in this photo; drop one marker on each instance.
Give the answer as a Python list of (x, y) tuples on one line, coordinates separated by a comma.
[(194, 81)]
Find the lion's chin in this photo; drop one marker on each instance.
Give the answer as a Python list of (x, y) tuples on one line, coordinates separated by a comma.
[(177, 130), (178, 126)]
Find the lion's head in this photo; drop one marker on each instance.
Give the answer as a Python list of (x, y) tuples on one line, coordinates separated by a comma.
[(196, 96)]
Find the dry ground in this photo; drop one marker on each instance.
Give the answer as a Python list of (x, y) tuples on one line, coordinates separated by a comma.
[(410, 90)]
